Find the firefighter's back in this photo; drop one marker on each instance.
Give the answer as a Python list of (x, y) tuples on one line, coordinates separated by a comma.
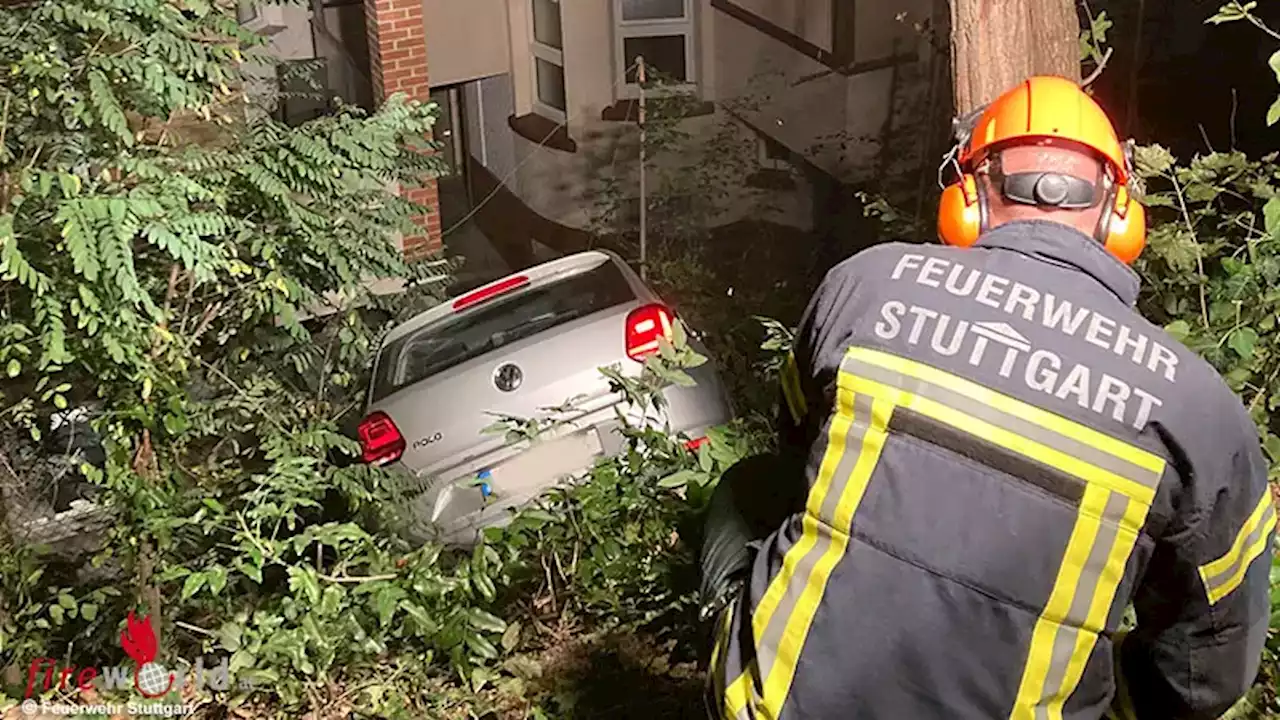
[(1003, 440)]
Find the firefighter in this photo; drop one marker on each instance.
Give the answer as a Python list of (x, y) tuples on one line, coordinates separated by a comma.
[(987, 456)]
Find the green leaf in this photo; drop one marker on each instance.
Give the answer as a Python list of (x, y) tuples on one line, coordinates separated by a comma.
[(1272, 446), (387, 601), (483, 620), (1273, 113), (511, 637), (481, 646), (1179, 330), (109, 112), (1271, 217), (14, 368), (1274, 62), (678, 479), (1153, 160), (89, 611), (229, 636), (537, 515), (426, 626), (705, 461), (1242, 341), (303, 581), (330, 600), (70, 185), (484, 584), (193, 584), (217, 579)]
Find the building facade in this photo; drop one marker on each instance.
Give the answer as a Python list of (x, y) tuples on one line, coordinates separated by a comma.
[(780, 106)]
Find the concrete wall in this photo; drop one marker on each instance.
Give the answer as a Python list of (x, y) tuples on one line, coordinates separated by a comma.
[(466, 39), (808, 19), (291, 43), (834, 120)]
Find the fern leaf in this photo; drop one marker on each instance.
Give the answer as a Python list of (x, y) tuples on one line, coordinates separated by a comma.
[(78, 232), (109, 112)]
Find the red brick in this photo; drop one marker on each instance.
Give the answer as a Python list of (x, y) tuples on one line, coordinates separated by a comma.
[(398, 63), (412, 42), (390, 56), (393, 35), (410, 23)]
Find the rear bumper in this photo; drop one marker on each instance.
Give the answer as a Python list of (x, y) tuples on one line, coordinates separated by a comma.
[(455, 512)]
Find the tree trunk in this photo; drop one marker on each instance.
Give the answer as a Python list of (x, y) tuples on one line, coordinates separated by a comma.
[(997, 43)]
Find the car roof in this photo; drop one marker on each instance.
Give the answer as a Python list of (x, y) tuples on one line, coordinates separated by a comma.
[(537, 275)]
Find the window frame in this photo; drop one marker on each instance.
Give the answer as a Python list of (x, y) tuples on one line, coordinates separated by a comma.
[(686, 26), (551, 55)]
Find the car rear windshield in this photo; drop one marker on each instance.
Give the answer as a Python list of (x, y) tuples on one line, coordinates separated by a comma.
[(497, 323)]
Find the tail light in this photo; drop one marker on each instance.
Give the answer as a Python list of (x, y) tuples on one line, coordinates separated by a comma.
[(490, 291), (644, 326), (380, 440)]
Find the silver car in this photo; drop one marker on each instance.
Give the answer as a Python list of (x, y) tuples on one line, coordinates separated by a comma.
[(516, 347)]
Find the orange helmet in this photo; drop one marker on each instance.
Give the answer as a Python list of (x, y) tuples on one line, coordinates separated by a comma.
[(1037, 109)]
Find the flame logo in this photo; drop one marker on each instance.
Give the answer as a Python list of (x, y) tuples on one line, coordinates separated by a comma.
[(138, 639), (139, 642)]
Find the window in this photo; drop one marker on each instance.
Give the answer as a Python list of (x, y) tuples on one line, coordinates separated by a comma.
[(773, 155), (660, 31), (498, 323), (548, 60)]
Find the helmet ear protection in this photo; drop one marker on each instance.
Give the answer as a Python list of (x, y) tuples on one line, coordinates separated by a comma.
[(963, 212)]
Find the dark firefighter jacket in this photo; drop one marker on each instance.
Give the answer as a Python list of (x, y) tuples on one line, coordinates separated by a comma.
[(1002, 456)]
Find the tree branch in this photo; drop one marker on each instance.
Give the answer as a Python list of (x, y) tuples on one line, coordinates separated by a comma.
[(361, 579), (1102, 64)]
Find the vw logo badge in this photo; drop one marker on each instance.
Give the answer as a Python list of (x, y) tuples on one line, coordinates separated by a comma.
[(508, 377)]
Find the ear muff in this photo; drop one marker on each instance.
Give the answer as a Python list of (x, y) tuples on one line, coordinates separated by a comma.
[(961, 212), (1122, 229)]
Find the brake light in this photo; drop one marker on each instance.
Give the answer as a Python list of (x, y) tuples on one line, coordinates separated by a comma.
[(491, 291), (380, 440), (644, 326)]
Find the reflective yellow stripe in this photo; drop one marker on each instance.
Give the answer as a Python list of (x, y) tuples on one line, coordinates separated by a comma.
[(777, 683), (1225, 574), (789, 377), (1017, 408), (1039, 452), (781, 621), (737, 696), (1111, 514), (1124, 539), (719, 653), (840, 426), (1120, 483), (1051, 621)]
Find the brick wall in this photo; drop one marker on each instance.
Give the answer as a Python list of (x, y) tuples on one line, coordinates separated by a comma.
[(398, 63)]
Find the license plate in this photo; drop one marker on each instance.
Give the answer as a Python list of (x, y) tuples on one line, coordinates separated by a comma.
[(543, 464)]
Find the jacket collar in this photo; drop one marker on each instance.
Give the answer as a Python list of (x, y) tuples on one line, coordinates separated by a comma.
[(1065, 246)]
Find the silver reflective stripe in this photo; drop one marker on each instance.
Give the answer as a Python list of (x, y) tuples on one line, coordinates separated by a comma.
[(770, 639), (1064, 639), (1016, 425)]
